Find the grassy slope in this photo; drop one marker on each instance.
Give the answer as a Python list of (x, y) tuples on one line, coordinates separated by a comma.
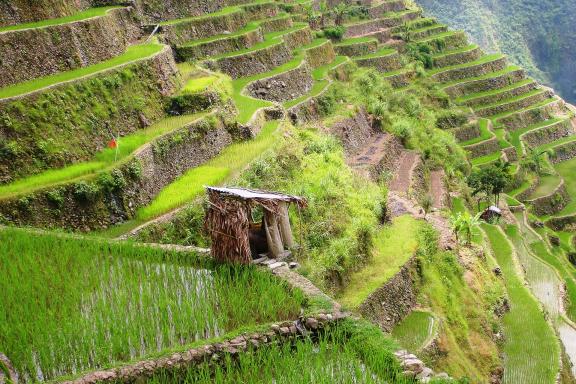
[(394, 245), (527, 332), (133, 53), (87, 14)]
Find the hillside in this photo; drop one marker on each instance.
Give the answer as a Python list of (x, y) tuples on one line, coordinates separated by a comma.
[(535, 34), (278, 192)]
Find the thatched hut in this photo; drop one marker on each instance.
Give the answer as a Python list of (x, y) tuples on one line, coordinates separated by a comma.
[(236, 237)]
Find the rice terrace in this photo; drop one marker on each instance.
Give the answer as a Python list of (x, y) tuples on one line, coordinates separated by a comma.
[(279, 191)]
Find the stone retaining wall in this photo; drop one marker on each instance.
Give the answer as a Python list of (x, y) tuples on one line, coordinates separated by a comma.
[(284, 332), (353, 132), (357, 49), (386, 63), (548, 134), (446, 43), (385, 7), (32, 53), (402, 79), (298, 38), (220, 46), (483, 148), (563, 152), (564, 223), (552, 203), (114, 196), (360, 29), (525, 195), (320, 55), (392, 302), (155, 11), (417, 35), (484, 85), (189, 30), (254, 62), (458, 58), (24, 11), (528, 117), (82, 115), (466, 132), (471, 71), (276, 24), (511, 154), (285, 86), (515, 105), (490, 99)]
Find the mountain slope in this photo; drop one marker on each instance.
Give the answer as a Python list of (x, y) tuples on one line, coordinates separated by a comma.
[(536, 34)]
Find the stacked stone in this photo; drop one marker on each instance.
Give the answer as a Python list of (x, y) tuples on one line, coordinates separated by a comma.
[(414, 368)]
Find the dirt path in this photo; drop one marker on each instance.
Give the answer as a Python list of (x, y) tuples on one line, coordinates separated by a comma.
[(437, 189), (401, 181)]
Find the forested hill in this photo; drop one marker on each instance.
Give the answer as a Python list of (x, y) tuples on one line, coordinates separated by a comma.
[(536, 34)]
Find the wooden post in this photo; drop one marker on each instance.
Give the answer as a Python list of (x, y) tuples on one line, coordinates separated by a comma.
[(284, 224), (275, 245)]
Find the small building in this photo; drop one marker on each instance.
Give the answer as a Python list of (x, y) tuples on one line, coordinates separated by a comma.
[(236, 236), (491, 214)]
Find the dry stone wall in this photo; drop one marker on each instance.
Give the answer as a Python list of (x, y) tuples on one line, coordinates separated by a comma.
[(458, 58), (525, 118), (548, 134), (154, 11), (298, 38), (252, 63), (483, 148), (32, 53), (320, 55), (25, 11), (359, 49), (386, 63), (552, 203), (285, 86), (114, 197), (389, 304), (486, 84), (490, 99), (564, 223), (466, 132), (471, 71), (220, 46), (515, 105), (563, 152), (385, 7), (353, 132), (70, 122)]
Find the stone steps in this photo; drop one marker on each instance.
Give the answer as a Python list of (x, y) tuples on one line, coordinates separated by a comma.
[(483, 66)]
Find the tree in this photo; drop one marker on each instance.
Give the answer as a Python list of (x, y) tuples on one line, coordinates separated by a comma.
[(426, 203), (491, 180), (465, 223), (535, 160), (340, 11)]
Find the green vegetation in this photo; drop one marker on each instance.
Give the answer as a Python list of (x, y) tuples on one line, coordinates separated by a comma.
[(379, 53), (356, 40), (528, 333), (87, 14), (485, 134), (494, 92), (566, 170), (85, 303), (393, 247), (483, 60), (222, 12), (491, 75), (104, 160), (510, 100), (191, 185), (133, 53), (456, 51), (415, 330), (547, 185)]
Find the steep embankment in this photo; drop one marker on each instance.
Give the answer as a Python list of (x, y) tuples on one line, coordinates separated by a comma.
[(536, 34)]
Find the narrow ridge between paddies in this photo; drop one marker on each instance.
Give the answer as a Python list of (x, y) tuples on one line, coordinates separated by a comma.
[(80, 16), (133, 53)]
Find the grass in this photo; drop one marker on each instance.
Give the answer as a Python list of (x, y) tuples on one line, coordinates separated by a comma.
[(485, 160), (133, 53), (533, 106), (87, 14), (507, 70), (415, 331), (252, 26), (351, 351), (103, 160), (556, 143), (485, 134), (566, 170), (516, 135), (483, 60), (526, 329), (437, 36), (378, 53), (509, 100), (317, 88), (547, 185), (394, 245), (85, 304), (493, 92), (191, 185), (456, 51), (357, 40)]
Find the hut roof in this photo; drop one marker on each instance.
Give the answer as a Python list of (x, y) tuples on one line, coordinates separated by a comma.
[(260, 197)]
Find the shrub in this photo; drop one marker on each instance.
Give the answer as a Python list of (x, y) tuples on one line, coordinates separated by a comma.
[(335, 32), (85, 192)]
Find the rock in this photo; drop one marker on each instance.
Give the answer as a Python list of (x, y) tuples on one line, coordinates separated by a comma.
[(293, 265), (554, 240), (275, 327), (426, 373), (497, 271), (413, 365), (284, 331), (442, 375), (311, 323)]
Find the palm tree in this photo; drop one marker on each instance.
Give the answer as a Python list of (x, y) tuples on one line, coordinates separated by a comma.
[(465, 223), (536, 161)]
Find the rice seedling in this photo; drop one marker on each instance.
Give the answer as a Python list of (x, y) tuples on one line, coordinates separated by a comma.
[(337, 357), (415, 331), (70, 304), (531, 350)]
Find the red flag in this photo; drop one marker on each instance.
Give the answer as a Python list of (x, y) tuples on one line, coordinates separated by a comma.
[(112, 144)]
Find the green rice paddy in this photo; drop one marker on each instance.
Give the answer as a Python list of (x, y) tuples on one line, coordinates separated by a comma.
[(526, 329), (70, 304), (79, 16), (133, 53), (415, 331)]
